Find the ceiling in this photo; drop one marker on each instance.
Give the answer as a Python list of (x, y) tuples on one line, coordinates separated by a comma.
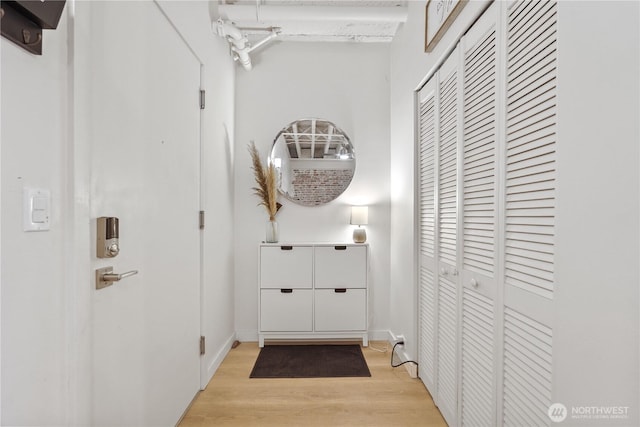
[(316, 139), (317, 20)]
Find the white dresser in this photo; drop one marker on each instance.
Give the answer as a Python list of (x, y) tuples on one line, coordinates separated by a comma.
[(313, 291)]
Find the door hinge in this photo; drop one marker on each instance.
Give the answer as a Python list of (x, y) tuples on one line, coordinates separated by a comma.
[(202, 98), (201, 220), (201, 345)]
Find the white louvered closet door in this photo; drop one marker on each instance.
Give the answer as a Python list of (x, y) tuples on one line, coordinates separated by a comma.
[(487, 220), (479, 222), (447, 237), (438, 137), (530, 174), (427, 132)]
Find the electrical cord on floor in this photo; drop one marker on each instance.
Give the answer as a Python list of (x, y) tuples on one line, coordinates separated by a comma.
[(393, 351), (380, 350)]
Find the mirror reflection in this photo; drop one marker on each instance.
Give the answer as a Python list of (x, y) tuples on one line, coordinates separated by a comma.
[(314, 160)]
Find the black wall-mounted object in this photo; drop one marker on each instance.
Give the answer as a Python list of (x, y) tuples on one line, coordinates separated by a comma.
[(23, 21)]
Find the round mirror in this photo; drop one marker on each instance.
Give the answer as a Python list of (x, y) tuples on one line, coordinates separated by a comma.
[(314, 161)]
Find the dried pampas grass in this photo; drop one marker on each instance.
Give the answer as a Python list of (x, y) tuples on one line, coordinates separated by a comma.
[(265, 178)]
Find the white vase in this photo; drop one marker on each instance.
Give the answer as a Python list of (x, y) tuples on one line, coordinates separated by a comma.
[(272, 232)]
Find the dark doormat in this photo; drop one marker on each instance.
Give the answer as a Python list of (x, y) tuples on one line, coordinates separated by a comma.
[(310, 361)]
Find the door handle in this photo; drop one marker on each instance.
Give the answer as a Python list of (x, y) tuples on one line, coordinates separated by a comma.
[(112, 277), (105, 276)]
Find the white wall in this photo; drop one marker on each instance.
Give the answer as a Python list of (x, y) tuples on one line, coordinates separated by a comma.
[(409, 66), (596, 305), (596, 324), (34, 274), (46, 281), (347, 84)]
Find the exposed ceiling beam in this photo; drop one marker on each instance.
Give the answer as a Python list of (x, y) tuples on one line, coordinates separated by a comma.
[(313, 138), (318, 20), (297, 141), (329, 136), (266, 13)]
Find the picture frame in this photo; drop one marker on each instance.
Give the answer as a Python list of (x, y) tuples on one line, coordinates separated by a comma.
[(439, 15)]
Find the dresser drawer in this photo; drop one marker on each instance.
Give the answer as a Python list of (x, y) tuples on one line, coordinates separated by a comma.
[(286, 310), (340, 266), (340, 309), (286, 267)]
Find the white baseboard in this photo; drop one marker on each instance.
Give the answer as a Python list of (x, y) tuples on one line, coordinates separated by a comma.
[(402, 355), (251, 335), (216, 361), (379, 335), (411, 368), (247, 335)]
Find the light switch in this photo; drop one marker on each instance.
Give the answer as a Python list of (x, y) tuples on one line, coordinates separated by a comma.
[(40, 203), (38, 217), (40, 211), (37, 209)]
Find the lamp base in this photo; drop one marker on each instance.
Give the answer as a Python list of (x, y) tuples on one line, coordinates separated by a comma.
[(359, 235)]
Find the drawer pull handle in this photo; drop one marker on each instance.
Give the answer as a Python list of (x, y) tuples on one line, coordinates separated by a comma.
[(340, 248), (286, 291), (286, 248), (340, 291)]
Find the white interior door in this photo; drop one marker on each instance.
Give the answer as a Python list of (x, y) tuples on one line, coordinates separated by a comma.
[(439, 135), (529, 210), (479, 222), (145, 171), (447, 228), (427, 120)]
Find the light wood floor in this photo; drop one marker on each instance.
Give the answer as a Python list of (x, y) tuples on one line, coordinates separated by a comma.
[(390, 397)]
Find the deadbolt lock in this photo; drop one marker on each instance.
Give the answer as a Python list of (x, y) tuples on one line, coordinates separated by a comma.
[(107, 244)]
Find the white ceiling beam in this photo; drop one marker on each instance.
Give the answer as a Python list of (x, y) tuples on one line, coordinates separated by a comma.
[(297, 141), (266, 13), (313, 138), (329, 135)]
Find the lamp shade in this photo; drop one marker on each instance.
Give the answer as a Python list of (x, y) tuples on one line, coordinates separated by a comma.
[(359, 215)]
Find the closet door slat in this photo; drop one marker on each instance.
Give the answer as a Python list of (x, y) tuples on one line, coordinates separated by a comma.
[(448, 168), (527, 369), (531, 146), (427, 327), (477, 359), (427, 175), (479, 214), (446, 350)]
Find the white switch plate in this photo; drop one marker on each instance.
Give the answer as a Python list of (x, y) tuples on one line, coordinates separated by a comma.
[(36, 209)]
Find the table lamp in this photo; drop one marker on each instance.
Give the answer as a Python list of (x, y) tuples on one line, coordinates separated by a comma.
[(359, 217)]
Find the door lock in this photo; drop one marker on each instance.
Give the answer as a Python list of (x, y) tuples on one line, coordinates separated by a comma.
[(107, 244)]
